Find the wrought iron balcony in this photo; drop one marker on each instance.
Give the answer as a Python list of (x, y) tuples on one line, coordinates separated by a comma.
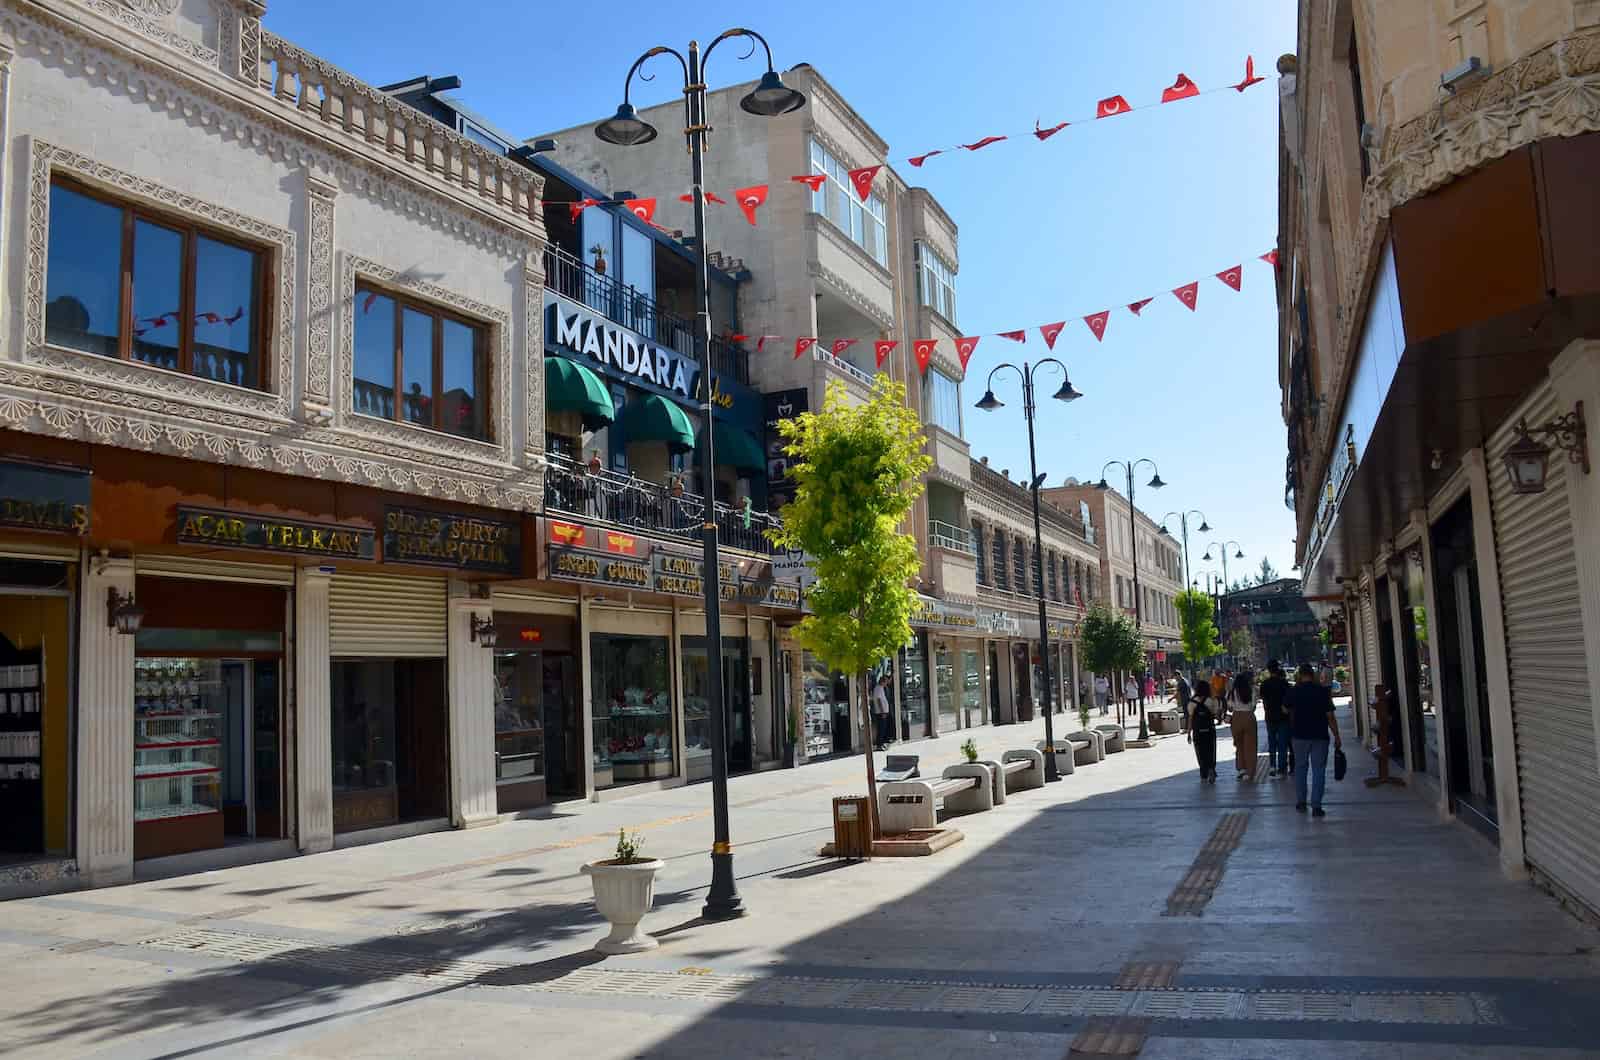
[(946, 535)]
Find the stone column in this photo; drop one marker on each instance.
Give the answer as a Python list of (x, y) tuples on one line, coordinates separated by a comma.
[(585, 690), (313, 725), (473, 801), (1402, 686), (104, 839), (318, 396), (1435, 640), (1575, 377)]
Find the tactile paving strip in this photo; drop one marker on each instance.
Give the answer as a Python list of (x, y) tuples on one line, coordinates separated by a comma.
[(1193, 892)]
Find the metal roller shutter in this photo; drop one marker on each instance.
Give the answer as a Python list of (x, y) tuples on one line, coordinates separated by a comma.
[(1551, 698), (1371, 666), (384, 616), (215, 570)]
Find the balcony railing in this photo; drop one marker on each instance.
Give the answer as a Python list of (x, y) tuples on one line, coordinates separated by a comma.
[(946, 535), (636, 311), (860, 374), (632, 503)]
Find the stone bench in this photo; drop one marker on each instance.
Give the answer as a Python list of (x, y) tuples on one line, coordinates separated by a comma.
[(906, 805), (1114, 738), (1024, 769), (1166, 722), (1066, 752), (1095, 751)]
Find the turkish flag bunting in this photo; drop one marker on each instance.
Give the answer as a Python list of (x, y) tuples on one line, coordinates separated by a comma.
[(882, 348), (761, 343), (210, 318), (750, 198), (1050, 331), (366, 303), (1188, 294), (840, 345), (1134, 307), (1015, 336), (1110, 106), (964, 348), (711, 196), (1233, 277), (812, 181), (234, 318), (923, 348), (981, 144), (644, 209), (1250, 77), (575, 208), (862, 179), (1097, 323), (1271, 258), (1182, 88), (802, 345), (738, 336), (1045, 134), (917, 160)]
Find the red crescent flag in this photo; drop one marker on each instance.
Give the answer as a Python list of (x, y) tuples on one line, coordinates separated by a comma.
[(981, 144), (1182, 88), (923, 348), (1015, 336), (1250, 77), (802, 345), (761, 343), (964, 348), (862, 179), (840, 345), (1188, 294), (643, 209), (710, 196), (1050, 331), (1233, 277), (1134, 307), (1097, 323), (1045, 134), (1271, 258), (575, 208), (917, 160), (738, 336), (813, 181), (750, 198), (882, 348), (1111, 105)]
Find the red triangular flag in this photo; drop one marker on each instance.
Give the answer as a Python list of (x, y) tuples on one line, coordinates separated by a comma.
[(964, 348), (881, 348), (981, 144), (644, 209), (237, 313), (812, 181), (575, 208), (209, 318), (802, 345), (1015, 336), (923, 348), (1134, 307), (840, 345), (1182, 88), (1233, 277), (1050, 331), (1110, 106), (862, 179), (738, 336), (1097, 323), (1045, 134), (750, 198), (761, 343), (1188, 294), (710, 196), (1271, 258), (1250, 77), (917, 160)]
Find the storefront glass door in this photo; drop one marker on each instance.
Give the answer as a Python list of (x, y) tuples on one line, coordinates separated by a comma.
[(972, 697), (948, 688), (390, 736), (914, 688), (735, 697)]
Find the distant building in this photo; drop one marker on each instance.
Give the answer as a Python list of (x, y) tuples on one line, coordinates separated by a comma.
[(1278, 617)]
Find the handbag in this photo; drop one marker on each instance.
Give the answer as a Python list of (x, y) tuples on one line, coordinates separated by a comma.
[(1340, 763)]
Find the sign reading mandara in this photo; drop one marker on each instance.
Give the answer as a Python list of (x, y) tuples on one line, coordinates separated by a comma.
[(444, 539), (260, 533)]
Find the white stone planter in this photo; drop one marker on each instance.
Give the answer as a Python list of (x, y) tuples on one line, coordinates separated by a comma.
[(624, 894)]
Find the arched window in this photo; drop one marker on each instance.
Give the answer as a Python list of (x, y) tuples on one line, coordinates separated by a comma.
[(977, 547)]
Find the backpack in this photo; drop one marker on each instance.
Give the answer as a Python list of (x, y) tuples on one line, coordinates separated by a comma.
[(1204, 720)]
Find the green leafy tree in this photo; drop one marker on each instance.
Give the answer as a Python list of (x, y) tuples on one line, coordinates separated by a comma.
[(857, 469), (1108, 642), (1242, 645), (1196, 625), (1267, 572)]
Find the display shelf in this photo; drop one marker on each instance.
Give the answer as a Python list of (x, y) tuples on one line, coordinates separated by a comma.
[(167, 813), (163, 770)]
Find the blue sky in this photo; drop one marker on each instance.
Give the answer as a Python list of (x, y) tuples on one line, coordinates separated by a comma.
[(1103, 214)]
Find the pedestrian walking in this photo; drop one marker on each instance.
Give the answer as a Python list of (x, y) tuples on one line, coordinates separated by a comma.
[(1202, 720), (1312, 721), (1273, 692), (1182, 693), (1149, 686), (880, 712), (1102, 693), (1130, 690), (1219, 685), (1242, 718)]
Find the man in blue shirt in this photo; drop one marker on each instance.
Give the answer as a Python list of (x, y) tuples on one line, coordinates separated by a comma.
[(1311, 721)]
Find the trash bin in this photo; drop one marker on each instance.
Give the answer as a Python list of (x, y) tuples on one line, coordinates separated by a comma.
[(852, 827)]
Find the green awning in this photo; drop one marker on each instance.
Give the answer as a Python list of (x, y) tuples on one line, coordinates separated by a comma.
[(735, 447), (569, 385), (653, 418)]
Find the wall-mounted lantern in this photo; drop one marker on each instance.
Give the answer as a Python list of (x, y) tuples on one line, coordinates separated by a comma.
[(122, 614), (483, 631), (1528, 459)]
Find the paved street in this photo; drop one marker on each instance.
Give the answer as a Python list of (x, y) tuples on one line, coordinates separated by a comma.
[(1128, 903)]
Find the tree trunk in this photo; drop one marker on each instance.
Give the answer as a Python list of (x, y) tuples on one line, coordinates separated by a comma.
[(867, 745)]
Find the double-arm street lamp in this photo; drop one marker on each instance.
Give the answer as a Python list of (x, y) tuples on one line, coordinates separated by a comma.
[(1133, 536), (1183, 520), (1223, 547), (770, 98), (989, 403)]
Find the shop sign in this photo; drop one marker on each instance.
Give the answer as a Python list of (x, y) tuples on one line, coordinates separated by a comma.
[(445, 539), (576, 535), (1000, 622), (667, 572), (259, 533), (571, 565), (530, 635), (616, 348), (796, 566), (48, 499), (780, 406), (927, 611)]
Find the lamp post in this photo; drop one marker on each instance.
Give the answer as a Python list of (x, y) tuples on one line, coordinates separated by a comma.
[(1183, 520), (770, 98), (1133, 538), (1223, 595), (988, 403)]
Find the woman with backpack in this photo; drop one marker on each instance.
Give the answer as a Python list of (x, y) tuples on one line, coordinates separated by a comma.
[(1202, 715)]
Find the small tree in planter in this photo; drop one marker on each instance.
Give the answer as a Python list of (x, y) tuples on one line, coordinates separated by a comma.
[(624, 890), (970, 749), (1109, 642)]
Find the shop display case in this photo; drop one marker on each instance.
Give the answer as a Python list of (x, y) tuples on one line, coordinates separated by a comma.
[(177, 756), (22, 753), (634, 739), (696, 737)]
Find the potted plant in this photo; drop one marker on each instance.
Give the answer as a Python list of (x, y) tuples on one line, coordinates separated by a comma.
[(970, 749), (599, 253), (624, 890), (791, 726)]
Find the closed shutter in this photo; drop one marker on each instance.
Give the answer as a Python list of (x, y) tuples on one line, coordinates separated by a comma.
[(1551, 699), (1371, 661), (215, 570), (384, 616)]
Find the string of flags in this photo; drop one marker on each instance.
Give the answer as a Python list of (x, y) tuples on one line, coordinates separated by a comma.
[(161, 321), (923, 349)]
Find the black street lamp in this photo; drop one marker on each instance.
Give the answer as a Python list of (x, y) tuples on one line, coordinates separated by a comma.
[(1223, 550), (768, 99), (988, 403), (1183, 520), (1133, 536)]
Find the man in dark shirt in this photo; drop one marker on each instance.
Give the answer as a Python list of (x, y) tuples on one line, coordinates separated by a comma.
[(1273, 692), (1311, 720)]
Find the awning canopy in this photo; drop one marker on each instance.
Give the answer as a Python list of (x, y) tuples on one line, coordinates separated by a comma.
[(652, 418), (569, 385), (735, 448)]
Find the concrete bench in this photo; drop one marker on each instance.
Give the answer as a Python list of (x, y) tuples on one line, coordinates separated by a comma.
[(1094, 749), (900, 767), (1066, 751), (1166, 722), (1024, 769), (906, 805), (1114, 737), (999, 779)]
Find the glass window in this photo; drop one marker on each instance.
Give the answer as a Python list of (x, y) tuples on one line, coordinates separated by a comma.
[(363, 694), (633, 723), (443, 374), (196, 302), (937, 282), (972, 688), (518, 732), (948, 691), (914, 687), (865, 223), (944, 401)]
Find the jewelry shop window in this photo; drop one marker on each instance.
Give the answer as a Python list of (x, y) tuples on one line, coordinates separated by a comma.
[(137, 285), (419, 364)]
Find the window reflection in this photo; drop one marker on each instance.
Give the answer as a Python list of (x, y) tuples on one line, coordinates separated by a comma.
[(157, 298), (374, 342), (440, 360), (462, 412), (224, 338), (84, 294)]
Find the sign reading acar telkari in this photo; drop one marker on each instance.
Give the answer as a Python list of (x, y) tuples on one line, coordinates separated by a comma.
[(581, 330)]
